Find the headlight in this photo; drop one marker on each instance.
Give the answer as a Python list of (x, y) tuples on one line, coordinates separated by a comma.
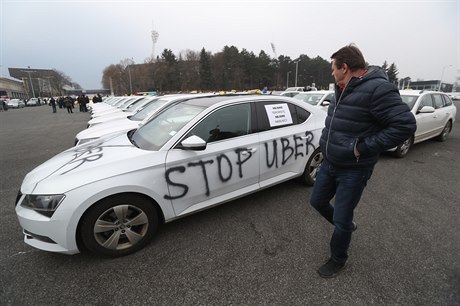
[(43, 204)]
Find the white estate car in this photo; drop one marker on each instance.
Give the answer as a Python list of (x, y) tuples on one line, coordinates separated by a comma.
[(435, 115), (110, 196)]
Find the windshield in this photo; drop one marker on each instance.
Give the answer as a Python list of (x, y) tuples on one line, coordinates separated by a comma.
[(409, 100), (150, 108), (155, 133), (312, 99)]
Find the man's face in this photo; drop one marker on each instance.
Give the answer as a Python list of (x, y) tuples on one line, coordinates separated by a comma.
[(338, 74)]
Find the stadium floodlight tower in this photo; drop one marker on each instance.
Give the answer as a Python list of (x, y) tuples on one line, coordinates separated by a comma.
[(154, 36)]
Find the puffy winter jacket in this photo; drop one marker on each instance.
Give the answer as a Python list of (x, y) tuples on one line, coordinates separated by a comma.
[(368, 114)]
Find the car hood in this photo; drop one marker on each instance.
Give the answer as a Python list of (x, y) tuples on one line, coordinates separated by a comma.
[(108, 127), (111, 116), (88, 163)]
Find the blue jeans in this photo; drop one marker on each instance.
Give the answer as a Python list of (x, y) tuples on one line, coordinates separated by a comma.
[(347, 185)]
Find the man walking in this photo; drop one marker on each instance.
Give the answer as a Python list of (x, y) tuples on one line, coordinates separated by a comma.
[(367, 118)]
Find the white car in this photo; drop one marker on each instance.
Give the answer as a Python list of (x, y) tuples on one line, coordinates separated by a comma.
[(319, 98), (117, 107), (110, 196), (128, 123), (289, 93), (126, 111), (15, 103), (435, 115), (295, 89), (33, 102)]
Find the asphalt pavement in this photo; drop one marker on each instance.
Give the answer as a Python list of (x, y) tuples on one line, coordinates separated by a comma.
[(262, 249)]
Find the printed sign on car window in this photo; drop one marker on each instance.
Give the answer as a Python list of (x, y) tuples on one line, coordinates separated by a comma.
[(278, 114)]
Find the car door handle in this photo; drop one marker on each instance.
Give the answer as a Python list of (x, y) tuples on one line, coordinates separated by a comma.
[(248, 151)]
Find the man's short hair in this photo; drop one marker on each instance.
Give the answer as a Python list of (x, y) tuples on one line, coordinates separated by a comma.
[(351, 56)]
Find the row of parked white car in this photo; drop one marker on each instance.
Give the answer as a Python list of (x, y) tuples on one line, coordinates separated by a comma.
[(144, 161)]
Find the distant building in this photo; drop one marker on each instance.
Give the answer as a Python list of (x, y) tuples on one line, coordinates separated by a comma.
[(12, 89), (430, 85), (40, 82)]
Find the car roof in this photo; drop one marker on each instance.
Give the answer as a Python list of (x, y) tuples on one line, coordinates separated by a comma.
[(414, 92), (316, 92), (209, 101)]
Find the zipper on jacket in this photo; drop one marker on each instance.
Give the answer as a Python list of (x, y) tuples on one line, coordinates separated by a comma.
[(333, 115)]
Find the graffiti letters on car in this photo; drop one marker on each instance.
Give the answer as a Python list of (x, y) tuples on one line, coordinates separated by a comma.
[(293, 147)]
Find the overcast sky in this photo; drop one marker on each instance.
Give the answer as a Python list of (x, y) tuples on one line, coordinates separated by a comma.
[(81, 38)]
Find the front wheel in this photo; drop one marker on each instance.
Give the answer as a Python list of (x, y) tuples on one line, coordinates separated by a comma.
[(404, 148), (311, 169), (119, 225)]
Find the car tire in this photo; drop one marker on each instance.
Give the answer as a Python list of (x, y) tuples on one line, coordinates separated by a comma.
[(445, 132), (119, 225), (404, 148), (311, 168)]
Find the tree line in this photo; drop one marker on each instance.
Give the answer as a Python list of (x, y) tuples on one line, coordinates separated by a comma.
[(227, 70)]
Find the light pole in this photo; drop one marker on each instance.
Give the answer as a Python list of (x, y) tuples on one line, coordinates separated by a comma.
[(296, 71), (130, 82), (287, 79), (442, 75)]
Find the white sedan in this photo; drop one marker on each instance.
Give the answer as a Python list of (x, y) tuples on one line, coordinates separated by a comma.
[(435, 115), (110, 196), (320, 98)]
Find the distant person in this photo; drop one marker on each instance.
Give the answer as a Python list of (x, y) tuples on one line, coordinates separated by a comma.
[(68, 104), (80, 100), (367, 118), (85, 103), (265, 90), (61, 102), (53, 104)]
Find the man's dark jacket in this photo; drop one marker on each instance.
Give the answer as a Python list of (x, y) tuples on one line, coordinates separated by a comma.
[(368, 114)]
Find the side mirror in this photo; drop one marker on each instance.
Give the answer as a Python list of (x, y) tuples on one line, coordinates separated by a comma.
[(325, 103), (426, 109), (194, 143)]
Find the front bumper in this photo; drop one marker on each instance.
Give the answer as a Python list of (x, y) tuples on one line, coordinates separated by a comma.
[(48, 234)]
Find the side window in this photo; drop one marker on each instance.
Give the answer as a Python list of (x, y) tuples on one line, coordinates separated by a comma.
[(426, 101), (274, 115), (228, 122), (302, 114), (447, 100), (438, 103)]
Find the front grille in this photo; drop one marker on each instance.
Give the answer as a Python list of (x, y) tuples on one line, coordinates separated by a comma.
[(30, 235)]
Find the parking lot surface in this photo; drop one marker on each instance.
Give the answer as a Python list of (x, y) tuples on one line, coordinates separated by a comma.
[(260, 249)]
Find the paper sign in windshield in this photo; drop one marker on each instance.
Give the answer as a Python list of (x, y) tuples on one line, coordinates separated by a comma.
[(278, 114)]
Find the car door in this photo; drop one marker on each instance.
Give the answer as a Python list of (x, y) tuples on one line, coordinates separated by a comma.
[(426, 123), (227, 168), (284, 143), (441, 114)]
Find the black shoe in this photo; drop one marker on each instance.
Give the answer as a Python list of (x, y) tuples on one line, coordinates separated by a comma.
[(355, 226), (330, 269)]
